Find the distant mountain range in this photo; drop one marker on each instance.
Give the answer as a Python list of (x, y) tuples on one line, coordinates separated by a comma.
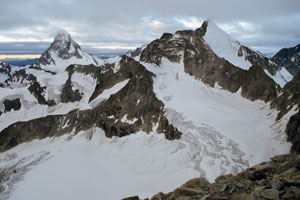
[(289, 58), (20, 62)]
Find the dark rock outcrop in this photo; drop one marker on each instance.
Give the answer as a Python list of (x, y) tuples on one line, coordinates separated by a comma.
[(289, 58), (136, 103), (293, 132), (276, 179), (9, 105), (289, 97), (67, 94), (38, 91), (136, 52), (287, 100), (21, 132)]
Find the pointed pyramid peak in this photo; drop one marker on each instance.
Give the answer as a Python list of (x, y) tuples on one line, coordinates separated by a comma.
[(62, 35)]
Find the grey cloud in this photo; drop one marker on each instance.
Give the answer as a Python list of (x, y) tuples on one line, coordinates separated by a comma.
[(128, 23), (23, 47)]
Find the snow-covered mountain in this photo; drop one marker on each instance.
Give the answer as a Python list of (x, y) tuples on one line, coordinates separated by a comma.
[(63, 52), (289, 58), (190, 104)]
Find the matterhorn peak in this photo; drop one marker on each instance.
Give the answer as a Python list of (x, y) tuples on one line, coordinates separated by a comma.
[(62, 34), (62, 52)]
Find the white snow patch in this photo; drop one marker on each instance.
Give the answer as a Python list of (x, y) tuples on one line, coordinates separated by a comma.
[(106, 93), (117, 67), (3, 77), (293, 59), (85, 83), (281, 77), (126, 120)]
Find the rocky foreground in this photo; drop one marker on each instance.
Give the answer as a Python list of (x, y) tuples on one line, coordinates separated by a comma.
[(276, 179)]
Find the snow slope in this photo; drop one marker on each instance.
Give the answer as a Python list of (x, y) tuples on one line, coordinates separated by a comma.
[(224, 46), (101, 168), (281, 77), (248, 124), (106, 93)]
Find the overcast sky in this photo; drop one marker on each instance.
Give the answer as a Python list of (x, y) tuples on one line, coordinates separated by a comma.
[(114, 25)]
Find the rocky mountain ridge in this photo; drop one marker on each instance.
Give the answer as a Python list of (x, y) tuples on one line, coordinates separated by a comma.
[(202, 62), (289, 58)]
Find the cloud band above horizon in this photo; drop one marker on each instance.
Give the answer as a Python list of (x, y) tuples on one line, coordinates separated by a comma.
[(120, 25)]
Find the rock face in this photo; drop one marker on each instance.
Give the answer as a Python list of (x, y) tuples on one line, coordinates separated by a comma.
[(287, 100), (38, 91), (136, 52), (293, 132), (289, 97), (276, 179), (133, 108), (289, 58), (9, 105), (201, 62)]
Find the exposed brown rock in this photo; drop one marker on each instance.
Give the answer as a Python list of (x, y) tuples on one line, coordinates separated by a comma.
[(276, 181), (38, 91), (289, 97)]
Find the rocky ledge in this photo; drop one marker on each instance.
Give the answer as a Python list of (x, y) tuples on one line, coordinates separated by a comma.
[(276, 179)]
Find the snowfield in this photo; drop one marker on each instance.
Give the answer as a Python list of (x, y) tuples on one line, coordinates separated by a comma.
[(77, 167), (222, 133)]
